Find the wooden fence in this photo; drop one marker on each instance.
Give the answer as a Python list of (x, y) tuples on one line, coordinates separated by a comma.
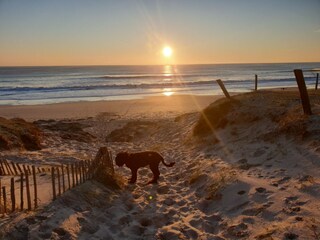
[(301, 86), (21, 192)]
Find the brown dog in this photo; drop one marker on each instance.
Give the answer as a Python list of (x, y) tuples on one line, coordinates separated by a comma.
[(134, 161)]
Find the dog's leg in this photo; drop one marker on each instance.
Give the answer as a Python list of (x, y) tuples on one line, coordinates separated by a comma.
[(133, 176), (156, 173)]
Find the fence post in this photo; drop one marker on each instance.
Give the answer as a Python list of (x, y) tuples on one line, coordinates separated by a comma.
[(303, 91), (223, 88), (68, 173), (63, 182), (317, 80), (76, 173), (256, 82), (12, 195), (72, 172), (59, 184), (35, 187), (21, 191), (53, 184)]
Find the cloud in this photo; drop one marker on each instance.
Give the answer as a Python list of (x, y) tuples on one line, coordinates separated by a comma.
[(317, 31)]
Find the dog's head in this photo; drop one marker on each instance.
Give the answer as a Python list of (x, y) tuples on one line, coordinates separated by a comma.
[(121, 158)]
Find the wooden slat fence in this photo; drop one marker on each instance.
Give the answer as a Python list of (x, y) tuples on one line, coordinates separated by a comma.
[(21, 192)]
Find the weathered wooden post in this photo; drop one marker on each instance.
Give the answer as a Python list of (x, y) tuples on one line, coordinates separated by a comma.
[(21, 191), (68, 173), (223, 88), (76, 173), (35, 187), (256, 82), (317, 80), (53, 184), (303, 91), (59, 183), (12, 195), (72, 173), (63, 182)]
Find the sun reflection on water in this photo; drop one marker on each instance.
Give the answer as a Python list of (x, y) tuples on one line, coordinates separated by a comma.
[(167, 72), (168, 76), (167, 92)]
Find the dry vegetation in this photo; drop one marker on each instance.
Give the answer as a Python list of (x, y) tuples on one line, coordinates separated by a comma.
[(19, 134)]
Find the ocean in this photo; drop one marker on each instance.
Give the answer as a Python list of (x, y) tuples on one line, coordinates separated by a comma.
[(43, 85)]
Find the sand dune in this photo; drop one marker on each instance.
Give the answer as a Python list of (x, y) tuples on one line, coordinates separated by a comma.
[(249, 172)]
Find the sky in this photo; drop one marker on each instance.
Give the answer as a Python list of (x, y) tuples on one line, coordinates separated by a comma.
[(134, 32)]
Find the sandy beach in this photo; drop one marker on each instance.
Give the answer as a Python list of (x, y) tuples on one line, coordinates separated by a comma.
[(177, 104), (245, 169)]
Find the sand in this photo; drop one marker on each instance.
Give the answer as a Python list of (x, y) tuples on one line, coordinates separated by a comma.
[(76, 110), (254, 176)]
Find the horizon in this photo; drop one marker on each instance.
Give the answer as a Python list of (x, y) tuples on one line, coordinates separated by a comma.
[(141, 65), (113, 33)]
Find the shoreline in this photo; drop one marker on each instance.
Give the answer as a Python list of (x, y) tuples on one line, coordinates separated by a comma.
[(177, 104), (138, 107)]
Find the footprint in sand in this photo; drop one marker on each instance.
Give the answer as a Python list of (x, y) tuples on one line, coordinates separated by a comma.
[(145, 222), (241, 192), (253, 211), (237, 231), (261, 195), (293, 206)]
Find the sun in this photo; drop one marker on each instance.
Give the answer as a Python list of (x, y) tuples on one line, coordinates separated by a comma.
[(167, 51)]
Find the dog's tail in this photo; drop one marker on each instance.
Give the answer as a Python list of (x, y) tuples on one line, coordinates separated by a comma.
[(166, 164)]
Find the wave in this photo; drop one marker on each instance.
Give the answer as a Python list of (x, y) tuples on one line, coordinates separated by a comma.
[(159, 75), (168, 84), (107, 86)]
